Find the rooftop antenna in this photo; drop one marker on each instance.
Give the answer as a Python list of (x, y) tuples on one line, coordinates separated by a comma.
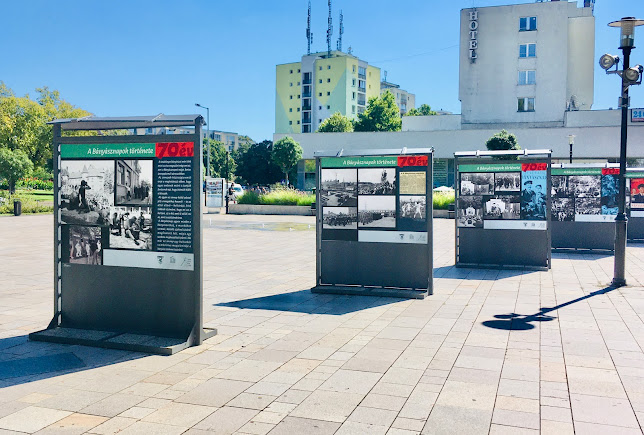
[(309, 35), (340, 31), (329, 32), (385, 75), (350, 50)]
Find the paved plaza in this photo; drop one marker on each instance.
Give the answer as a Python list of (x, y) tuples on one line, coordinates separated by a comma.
[(490, 352)]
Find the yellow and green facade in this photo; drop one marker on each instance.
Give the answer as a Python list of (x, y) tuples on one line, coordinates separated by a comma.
[(309, 91)]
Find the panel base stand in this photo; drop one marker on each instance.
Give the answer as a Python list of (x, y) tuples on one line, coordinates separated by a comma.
[(372, 291), (117, 340), (502, 267)]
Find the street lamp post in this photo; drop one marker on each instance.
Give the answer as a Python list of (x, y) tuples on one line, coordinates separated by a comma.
[(208, 130), (227, 198), (630, 76), (571, 142)]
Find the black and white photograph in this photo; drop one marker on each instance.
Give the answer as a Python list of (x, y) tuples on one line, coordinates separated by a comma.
[(610, 188), (585, 186), (338, 187), (502, 207), (87, 191), (507, 182), (134, 182), (534, 195), (478, 183), (131, 228), (563, 209), (376, 181), (588, 206), (559, 186), (469, 211), (339, 218), (377, 212), (85, 245), (413, 207)]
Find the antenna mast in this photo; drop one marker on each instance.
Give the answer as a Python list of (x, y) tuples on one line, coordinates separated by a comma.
[(309, 35), (340, 31), (329, 32)]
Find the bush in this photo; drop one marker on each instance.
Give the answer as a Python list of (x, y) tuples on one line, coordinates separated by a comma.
[(28, 205), (280, 196), (442, 200), (35, 184)]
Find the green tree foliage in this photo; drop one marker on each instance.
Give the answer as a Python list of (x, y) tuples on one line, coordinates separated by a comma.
[(255, 164), (217, 159), (382, 114), (245, 140), (286, 154), (423, 110), (23, 122), (336, 123), (503, 141), (14, 165)]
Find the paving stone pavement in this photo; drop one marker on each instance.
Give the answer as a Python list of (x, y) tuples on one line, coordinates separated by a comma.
[(490, 352)]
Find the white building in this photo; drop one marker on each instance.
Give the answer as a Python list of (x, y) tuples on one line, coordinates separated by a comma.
[(404, 100), (526, 63)]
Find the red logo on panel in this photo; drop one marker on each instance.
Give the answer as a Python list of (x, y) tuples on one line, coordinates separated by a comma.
[(610, 171), (412, 160), (175, 149), (525, 167)]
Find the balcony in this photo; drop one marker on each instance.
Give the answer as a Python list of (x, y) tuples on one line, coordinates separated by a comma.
[(306, 107), (362, 89), (306, 81), (306, 120), (306, 95), (361, 102), (362, 76)]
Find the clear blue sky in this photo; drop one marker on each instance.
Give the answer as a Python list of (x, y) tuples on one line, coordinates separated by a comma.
[(122, 57)]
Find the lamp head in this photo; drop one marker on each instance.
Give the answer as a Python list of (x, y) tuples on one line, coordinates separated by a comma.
[(607, 61), (627, 26), (633, 74)]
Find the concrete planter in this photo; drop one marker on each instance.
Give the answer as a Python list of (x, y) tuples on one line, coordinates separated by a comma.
[(442, 214), (298, 210)]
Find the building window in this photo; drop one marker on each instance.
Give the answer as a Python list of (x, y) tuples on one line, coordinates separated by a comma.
[(525, 104), (354, 68), (291, 72), (328, 107), (291, 97), (353, 109), (298, 122), (353, 82), (298, 70), (527, 24), (328, 93), (298, 109), (298, 83), (298, 96), (328, 67), (320, 80), (320, 94), (290, 123), (290, 109), (319, 121), (353, 95), (319, 107), (290, 84), (362, 71), (328, 80), (320, 68), (527, 77), (528, 50)]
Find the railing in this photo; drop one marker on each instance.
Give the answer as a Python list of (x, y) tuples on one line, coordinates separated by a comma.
[(306, 107), (306, 81), (306, 95), (362, 89)]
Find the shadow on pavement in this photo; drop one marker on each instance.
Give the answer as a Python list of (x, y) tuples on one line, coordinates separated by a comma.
[(23, 361), (304, 301), (521, 322), (453, 272)]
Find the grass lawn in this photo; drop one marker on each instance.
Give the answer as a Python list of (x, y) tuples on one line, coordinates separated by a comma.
[(36, 195)]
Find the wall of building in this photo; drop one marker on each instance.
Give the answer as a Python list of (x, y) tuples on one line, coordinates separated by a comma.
[(287, 89)]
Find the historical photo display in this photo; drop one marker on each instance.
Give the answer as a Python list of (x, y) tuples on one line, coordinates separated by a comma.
[(563, 209), (559, 186), (477, 183), (585, 186), (637, 193), (131, 228), (469, 211), (339, 218), (377, 181), (413, 207), (502, 207), (507, 182), (134, 182), (85, 245), (377, 211), (533, 195), (587, 206), (338, 187), (87, 191), (610, 188), (413, 183)]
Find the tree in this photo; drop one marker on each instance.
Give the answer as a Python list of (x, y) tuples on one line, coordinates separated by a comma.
[(382, 114), (14, 165), (503, 141), (336, 123), (217, 159), (255, 164), (423, 110), (286, 154)]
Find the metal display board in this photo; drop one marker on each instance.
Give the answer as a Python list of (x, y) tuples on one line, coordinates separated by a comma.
[(374, 223), (127, 232), (584, 206), (215, 192), (502, 204), (635, 204)]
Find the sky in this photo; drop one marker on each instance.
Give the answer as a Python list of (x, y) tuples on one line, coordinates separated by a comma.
[(143, 57)]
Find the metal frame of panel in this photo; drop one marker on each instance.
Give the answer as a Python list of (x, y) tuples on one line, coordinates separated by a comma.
[(163, 315), (635, 231), (502, 248), (361, 269)]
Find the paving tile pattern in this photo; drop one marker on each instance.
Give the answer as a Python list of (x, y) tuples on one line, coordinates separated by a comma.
[(491, 352)]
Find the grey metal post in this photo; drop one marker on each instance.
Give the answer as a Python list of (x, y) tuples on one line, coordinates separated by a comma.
[(57, 242), (208, 130), (197, 237), (619, 273)]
